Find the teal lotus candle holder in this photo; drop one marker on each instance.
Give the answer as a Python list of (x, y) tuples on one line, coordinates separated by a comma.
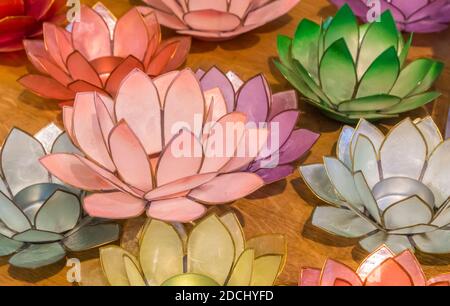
[(351, 71), (40, 218), (392, 190)]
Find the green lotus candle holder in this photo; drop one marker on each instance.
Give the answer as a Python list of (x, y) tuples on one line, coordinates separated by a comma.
[(41, 219), (353, 71)]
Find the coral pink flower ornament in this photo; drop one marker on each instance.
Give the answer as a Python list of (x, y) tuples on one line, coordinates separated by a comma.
[(96, 52), (219, 19), (381, 268), (138, 157), (21, 19)]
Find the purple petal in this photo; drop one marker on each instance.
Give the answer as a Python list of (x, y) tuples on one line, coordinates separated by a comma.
[(253, 99), (275, 174), (297, 145), (214, 78)]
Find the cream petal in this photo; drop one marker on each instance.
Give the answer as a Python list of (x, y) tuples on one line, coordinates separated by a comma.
[(367, 197), (442, 217), (437, 242), (396, 243), (343, 145), (430, 132), (409, 212), (342, 180), (161, 252), (365, 160), (316, 177), (403, 152), (436, 175), (210, 243), (341, 222), (370, 131)]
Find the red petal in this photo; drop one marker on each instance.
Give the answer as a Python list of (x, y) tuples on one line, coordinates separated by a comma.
[(11, 8), (80, 69), (46, 87), (389, 273), (120, 72)]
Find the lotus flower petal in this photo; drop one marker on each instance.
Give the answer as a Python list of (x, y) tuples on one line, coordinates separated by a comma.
[(337, 274), (441, 280), (92, 236), (38, 255), (80, 59), (409, 212), (407, 13), (114, 205), (176, 210), (162, 249), (9, 246), (396, 243), (341, 222), (243, 270), (214, 78), (238, 185), (220, 19), (435, 174), (437, 242), (404, 151)]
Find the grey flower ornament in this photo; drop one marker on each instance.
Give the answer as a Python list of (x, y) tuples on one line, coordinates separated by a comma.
[(40, 218), (391, 190)]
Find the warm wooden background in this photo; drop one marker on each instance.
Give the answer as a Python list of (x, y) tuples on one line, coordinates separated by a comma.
[(284, 207)]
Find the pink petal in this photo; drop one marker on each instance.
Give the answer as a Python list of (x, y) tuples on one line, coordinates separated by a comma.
[(239, 7), (55, 71), (409, 262), (440, 280), (215, 104), (270, 12), (217, 5), (120, 72), (334, 271), (130, 158), (104, 118), (153, 34), (87, 130), (130, 35), (34, 49), (181, 157), (179, 186), (188, 111), (283, 101), (211, 21), (138, 104), (114, 205), (69, 169), (64, 42), (67, 115), (46, 87), (105, 65), (176, 210), (169, 20), (91, 35), (310, 277), (225, 137), (163, 83), (82, 86), (80, 69), (251, 144), (52, 45), (174, 6), (227, 188), (183, 44)]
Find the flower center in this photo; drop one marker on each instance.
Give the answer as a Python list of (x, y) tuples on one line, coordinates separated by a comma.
[(395, 189)]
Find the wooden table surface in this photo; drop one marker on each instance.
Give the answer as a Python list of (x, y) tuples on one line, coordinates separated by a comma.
[(284, 207)]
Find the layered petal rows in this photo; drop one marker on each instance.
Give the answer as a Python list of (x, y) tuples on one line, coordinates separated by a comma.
[(20, 19), (419, 16), (352, 71), (220, 19), (381, 268), (158, 147), (391, 190), (214, 253), (40, 218), (79, 59), (279, 111)]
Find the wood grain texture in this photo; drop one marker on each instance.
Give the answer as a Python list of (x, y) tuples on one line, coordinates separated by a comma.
[(284, 207)]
